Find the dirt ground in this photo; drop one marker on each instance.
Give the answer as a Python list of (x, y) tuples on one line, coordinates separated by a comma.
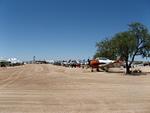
[(52, 89)]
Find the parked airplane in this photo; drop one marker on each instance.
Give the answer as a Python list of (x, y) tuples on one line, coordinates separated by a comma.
[(103, 63)]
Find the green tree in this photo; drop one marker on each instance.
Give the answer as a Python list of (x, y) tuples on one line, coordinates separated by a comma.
[(105, 49), (127, 45)]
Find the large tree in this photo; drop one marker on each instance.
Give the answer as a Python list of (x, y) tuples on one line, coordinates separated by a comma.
[(135, 41)]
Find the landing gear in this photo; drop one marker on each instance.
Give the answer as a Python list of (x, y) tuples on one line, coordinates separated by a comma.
[(92, 70), (97, 70)]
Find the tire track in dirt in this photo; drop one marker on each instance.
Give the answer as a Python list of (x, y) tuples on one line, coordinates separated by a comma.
[(9, 77), (12, 78)]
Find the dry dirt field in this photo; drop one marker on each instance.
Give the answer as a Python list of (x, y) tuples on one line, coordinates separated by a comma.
[(52, 89)]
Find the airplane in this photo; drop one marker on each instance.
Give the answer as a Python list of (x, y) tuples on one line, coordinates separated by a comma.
[(103, 63)]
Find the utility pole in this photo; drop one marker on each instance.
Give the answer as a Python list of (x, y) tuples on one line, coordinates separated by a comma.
[(33, 59)]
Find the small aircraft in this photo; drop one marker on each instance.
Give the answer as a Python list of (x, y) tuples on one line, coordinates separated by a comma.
[(103, 63)]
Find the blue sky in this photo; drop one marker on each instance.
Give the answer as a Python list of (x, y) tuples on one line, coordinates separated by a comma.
[(52, 29)]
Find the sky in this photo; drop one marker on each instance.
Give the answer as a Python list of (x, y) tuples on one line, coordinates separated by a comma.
[(62, 29)]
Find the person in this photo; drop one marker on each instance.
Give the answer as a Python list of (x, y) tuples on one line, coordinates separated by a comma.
[(88, 61)]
